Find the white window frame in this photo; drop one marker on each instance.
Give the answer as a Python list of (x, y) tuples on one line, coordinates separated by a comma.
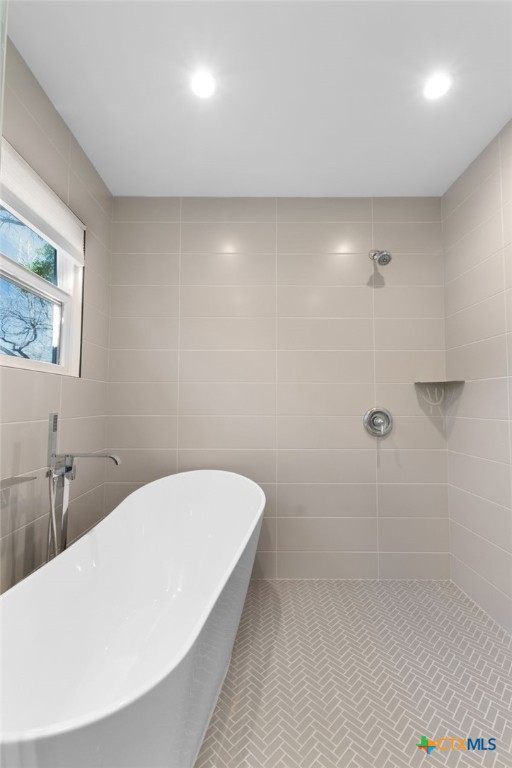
[(26, 196)]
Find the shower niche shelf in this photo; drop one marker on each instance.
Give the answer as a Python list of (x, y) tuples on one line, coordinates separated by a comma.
[(434, 391), (440, 382)]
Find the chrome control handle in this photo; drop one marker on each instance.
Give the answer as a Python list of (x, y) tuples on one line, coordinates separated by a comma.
[(378, 422)]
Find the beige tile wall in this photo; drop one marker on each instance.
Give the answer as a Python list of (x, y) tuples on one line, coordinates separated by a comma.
[(33, 127), (478, 270), (252, 335)]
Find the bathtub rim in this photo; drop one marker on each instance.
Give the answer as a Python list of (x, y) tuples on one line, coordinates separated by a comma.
[(9, 738)]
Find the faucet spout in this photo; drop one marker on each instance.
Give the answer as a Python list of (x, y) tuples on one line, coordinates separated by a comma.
[(115, 459), (61, 471)]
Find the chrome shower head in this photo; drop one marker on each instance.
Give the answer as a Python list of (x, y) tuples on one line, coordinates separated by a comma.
[(380, 257)]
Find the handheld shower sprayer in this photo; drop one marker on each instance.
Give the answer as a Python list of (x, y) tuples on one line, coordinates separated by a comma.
[(380, 257)]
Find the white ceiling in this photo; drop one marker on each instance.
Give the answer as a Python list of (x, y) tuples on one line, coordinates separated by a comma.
[(314, 98)]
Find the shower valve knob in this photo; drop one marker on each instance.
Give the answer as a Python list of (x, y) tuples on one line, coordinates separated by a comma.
[(378, 422)]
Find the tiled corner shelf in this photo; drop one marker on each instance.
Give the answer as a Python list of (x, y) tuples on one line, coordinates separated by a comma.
[(443, 384)]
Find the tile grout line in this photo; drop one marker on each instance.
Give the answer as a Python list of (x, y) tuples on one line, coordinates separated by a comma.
[(480, 536), (108, 382), (443, 408), (483, 578), (276, 379), (178, 388), (374, 340), (507, 299)]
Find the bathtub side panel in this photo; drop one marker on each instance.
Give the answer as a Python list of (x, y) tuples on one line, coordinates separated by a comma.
[(211, 655)]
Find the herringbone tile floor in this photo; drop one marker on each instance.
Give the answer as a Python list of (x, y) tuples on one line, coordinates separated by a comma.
[(350, 674)]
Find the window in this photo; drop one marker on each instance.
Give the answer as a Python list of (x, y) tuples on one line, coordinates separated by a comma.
[(41, 266)]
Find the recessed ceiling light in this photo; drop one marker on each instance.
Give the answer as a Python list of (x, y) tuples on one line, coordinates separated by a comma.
[(437, 85), (203, 84)]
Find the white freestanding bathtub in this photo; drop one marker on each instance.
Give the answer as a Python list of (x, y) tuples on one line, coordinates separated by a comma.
[(114, 653)]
